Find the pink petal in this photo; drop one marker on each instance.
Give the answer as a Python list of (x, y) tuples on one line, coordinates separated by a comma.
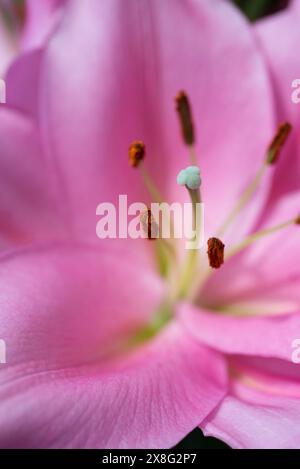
[(41, 18), (64, 311), (244, 425), (278, 377), (264, 278), (97, 100), (261, 411), (27, 206), (33, 206), (279, 53), (279, 38), (256, 336), (22, 83), (23, 77), (255, 296)]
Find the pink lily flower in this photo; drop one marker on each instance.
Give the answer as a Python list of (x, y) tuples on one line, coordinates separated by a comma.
[(99, 355)]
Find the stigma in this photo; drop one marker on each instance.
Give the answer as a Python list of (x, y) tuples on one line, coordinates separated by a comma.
[(190, 177)]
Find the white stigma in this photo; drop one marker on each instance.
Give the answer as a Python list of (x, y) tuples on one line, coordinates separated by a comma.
[(190, 177)]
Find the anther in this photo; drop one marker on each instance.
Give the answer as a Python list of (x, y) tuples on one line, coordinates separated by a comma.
[(215, 252), (278, 142), (273, 153), (297, 220), (185, 116), (137, 152), (149, 225)]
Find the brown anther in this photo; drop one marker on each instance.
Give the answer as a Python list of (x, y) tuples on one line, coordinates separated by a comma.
[(149, 225), (297, 220), (215, 252), (185, 115), (278, 142), (137, 152)]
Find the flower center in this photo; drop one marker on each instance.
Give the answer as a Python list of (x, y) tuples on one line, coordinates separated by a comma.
[(186, 278)]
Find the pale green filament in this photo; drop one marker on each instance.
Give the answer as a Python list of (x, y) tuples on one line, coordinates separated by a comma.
[(257, 236), (204, 276), (193, 155), (152, 189), (244, 199), (165, 250)]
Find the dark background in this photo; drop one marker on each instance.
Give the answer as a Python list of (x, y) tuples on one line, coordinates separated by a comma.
[(256, 9), (253, 9)]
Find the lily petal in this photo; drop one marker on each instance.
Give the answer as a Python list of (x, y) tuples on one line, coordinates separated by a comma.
[(22, 83), (69, 382), (261, 412), (23, 77), (41, 19), (259, 310), (254, 336), (28, 209), (269, 283), (279, 38), (123, 96)]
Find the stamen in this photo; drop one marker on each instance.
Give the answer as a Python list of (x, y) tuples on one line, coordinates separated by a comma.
[(206, 273), (186, 121), (278, 142), (185, 115), (149, 225), (259, 235), (165, 250), (215, 252), (137, 153), (273, 152)]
